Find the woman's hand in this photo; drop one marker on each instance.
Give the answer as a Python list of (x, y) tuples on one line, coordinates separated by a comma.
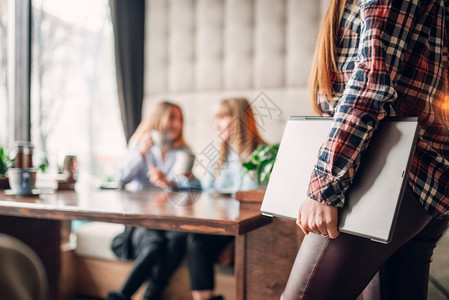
[(318, 218), (145, 143), (157, 177)]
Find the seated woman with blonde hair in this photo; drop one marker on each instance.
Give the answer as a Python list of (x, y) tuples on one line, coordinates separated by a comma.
[(156, 149), (239, 137)]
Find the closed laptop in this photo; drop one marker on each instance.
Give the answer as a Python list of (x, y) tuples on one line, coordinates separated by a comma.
[(374, 198)]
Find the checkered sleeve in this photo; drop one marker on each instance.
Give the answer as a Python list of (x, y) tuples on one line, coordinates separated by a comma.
[(367, 97)]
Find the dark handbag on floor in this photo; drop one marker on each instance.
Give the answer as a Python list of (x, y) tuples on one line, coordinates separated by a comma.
[(122, 245)]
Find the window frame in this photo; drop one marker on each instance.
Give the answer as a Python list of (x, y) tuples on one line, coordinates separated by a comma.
[(19, 74)]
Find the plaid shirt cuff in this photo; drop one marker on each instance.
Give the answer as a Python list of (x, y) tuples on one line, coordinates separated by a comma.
[(327, 190)]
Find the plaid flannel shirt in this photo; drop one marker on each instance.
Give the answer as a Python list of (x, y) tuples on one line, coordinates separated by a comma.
[(393, 60)]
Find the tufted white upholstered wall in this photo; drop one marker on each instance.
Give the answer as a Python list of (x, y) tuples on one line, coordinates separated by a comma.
[(201, 51), (229, 44)]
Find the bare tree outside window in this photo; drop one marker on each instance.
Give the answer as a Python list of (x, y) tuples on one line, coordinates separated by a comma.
[(74, 104), (4, 107)]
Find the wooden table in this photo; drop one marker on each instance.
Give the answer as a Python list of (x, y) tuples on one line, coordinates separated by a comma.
[(37, 222)]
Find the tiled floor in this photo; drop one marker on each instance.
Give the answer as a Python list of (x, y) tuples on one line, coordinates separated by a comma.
[(439, 269)]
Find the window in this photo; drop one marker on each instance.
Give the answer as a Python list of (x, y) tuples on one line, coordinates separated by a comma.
[(4, 103), (74, 106)]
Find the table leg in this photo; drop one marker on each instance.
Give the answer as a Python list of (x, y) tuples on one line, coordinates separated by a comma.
[(264, 258), (240, 267), (44, 237)]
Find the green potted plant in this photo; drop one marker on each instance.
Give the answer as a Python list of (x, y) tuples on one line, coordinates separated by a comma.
[(260, 163), (5, 163)]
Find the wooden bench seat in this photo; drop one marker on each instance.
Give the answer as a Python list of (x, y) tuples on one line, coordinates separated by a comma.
[(91, 268)]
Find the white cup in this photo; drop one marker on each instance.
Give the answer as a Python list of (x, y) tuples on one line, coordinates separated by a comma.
[(184, 162), (22, 181), (160, 139)]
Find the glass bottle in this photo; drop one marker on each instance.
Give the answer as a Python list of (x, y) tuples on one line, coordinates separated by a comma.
[(28, 156), (18, 161)]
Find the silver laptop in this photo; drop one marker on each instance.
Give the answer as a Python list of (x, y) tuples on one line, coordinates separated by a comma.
[(374, 198)]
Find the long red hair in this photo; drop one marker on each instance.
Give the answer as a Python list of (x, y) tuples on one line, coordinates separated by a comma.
[(325, 60)]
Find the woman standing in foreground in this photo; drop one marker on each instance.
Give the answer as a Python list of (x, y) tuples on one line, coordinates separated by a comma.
[(376, 59)]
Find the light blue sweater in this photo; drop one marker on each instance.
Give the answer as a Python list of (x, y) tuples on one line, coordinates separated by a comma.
[(230, 178), (135, 169)]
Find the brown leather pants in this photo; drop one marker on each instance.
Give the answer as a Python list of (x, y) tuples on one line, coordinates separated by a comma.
[(342, 268)]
